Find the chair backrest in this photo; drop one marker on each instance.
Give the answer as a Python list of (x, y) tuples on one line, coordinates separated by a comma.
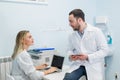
[(9, 77), (5, 66)]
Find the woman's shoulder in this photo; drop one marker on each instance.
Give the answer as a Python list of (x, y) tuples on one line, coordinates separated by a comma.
[(23, 54), (23, 57)]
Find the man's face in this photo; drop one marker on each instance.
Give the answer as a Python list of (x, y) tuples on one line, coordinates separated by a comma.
[(73, 22)]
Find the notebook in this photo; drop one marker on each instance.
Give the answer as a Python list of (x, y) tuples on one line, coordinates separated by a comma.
[(57, 61)]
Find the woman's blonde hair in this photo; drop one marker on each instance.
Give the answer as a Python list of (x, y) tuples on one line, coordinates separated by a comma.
[(19, 44)]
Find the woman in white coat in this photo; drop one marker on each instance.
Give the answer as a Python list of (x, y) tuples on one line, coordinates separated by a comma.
[(87, 50), (22, 65)]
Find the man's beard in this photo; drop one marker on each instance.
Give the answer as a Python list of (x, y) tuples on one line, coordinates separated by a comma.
[(77, 29)]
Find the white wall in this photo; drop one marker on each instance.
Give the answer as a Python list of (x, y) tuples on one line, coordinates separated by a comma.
[(110, 8), (40, 19)]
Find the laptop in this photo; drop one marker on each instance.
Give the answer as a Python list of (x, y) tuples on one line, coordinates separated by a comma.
[(57, 61)]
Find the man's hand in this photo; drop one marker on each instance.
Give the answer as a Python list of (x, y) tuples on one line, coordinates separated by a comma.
[(83, 57), (73, 57), (79, 57)]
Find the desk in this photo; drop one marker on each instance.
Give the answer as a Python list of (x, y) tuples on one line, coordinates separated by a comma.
[(60, 75), (57, 75)]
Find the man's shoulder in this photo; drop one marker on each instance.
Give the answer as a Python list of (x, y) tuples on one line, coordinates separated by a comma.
[(92, 28)]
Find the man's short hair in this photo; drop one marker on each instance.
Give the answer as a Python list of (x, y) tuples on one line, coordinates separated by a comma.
[(78, 13)]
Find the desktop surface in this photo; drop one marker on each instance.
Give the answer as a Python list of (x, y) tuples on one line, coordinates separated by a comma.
[(57, 75)]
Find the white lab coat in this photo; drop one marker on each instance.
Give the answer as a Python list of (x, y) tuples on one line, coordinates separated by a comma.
[(94, 44), (23, 68)]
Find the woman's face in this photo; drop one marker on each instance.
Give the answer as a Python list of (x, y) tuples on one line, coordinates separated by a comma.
[(28, 40)]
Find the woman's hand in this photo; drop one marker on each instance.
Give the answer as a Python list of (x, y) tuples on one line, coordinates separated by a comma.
[(41, 66), (51, 70)]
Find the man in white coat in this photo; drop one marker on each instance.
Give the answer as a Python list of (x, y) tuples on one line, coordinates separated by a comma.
[(88, 48)]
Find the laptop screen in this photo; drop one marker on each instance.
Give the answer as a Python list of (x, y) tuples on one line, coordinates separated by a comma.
[(57, 61)]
